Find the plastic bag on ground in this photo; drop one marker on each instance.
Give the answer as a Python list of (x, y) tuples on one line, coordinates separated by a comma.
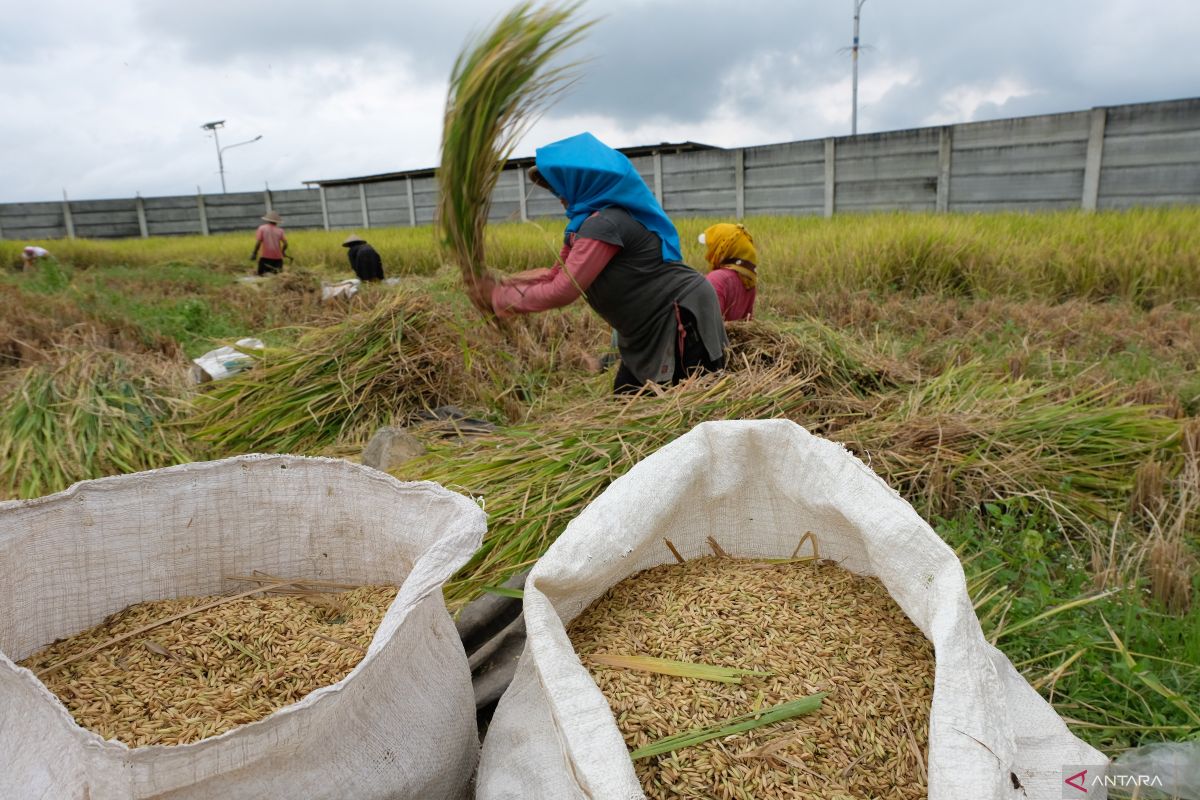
[(400, 725), (758, 486), (347, 288), (224, 361)]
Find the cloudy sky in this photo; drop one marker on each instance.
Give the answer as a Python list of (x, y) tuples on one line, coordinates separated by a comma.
[(105, 99)]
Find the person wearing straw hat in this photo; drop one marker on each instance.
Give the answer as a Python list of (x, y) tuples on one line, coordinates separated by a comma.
[(30, 256), (365, 262), (734, 270), (273, 241), (621, 253)]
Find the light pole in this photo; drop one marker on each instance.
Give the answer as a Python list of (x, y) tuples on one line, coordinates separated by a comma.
[(858, 4), (212, 126)]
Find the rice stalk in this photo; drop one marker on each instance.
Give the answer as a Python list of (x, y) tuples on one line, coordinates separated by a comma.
[(498, 87), (336, 383), (535, 477), (682, 669), (86, 415), (731, 726)]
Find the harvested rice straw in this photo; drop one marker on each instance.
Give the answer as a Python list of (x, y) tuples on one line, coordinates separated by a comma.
[(210, 671), (814, 626), (498, 87)]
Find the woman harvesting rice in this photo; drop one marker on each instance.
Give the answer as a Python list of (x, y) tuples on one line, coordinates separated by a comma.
[(621, 252), (734, 274)]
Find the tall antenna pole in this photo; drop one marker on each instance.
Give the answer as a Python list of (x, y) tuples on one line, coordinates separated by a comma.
[(858, 4)]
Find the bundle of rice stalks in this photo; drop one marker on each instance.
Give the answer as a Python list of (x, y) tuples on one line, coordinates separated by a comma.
[(157, 674), (948, 445), (498, 86), (338, 383), (815, 630), (967, 436), (86, 415), (810, 347), (534, 478)]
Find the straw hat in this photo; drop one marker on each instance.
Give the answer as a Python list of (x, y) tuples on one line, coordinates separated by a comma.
[(353, 238), (272, 216)]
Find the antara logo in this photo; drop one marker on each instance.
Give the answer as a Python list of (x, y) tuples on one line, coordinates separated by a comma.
[(1076, 781), (1080, 781)]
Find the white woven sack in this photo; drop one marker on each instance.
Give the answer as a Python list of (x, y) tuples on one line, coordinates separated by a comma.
[(757, 487), (400, 725)]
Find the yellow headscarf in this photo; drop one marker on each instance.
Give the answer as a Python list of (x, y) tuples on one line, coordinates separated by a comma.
[(728, 245)]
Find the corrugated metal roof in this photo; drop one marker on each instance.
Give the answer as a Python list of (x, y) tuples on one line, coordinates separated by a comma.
[(513, 163)]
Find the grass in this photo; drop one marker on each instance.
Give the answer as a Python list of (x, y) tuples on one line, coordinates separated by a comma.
[(1121, 669)]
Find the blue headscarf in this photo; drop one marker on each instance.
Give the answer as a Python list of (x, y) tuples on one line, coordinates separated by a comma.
[(590, 175)]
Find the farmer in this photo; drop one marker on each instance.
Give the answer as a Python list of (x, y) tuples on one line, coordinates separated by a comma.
[(734, 271), (363, 259), (273, 241), (621, 252), (30, 255)]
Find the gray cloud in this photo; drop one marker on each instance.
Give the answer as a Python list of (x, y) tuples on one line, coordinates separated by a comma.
[(108, 97)]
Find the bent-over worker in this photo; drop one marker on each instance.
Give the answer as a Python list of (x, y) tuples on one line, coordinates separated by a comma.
[(734, 268), (365, 262), (621, 252)]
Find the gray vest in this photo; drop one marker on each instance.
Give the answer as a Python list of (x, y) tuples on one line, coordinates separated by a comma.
[(637, 293)]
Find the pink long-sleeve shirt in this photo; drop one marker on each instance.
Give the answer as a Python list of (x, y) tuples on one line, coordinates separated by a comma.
[(737, 302), (582, 260)]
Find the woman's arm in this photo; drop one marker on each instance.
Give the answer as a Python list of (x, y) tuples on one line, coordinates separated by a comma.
[(557, 287)]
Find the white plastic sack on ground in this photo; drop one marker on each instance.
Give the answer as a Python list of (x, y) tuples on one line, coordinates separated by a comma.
[(400, 725), (347, 288), (224, 361), (757, 487)]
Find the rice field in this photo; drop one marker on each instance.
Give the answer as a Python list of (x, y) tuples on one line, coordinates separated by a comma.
[(1031, 383)]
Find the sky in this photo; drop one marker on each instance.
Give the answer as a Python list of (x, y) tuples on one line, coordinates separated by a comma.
[(107, 99)]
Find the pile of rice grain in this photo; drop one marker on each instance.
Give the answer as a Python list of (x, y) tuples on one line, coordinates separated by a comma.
[(211, 671), (818, 628)]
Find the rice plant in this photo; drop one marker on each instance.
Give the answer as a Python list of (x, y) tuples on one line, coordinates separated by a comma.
[(86, 415), (498, 87)]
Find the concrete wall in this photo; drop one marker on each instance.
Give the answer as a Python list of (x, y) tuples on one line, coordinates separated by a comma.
[(1115, 157)]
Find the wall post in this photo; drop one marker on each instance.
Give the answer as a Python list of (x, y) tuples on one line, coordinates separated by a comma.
[(1095, 156), (521, 194), (143, 228), (324, 207), (830, 186), (68, 220), (203, 211), (362, 198), (739, 182), (412, 204), (658, 178), (945, 148)]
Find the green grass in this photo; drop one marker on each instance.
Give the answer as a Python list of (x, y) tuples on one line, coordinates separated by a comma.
[(1107, 701)]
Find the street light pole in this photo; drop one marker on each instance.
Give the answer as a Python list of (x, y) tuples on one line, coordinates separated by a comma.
[(858, 4), (212, 126)]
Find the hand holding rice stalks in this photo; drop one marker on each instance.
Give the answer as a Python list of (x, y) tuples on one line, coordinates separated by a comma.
[(498, 87)]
